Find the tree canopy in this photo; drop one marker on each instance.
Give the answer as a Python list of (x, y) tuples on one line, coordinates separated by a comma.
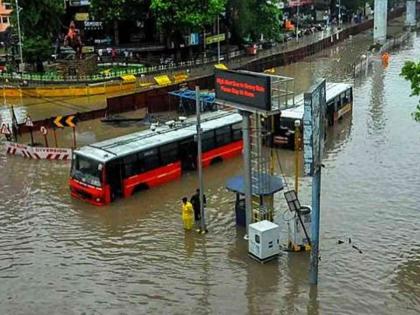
[(411, 72), (40, 23), (186, 15)]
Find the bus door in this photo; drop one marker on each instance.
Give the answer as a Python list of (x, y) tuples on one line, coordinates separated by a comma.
[(188, 154), (330, 112), (114, 178)]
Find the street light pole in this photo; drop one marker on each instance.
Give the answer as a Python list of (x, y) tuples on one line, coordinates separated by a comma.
[(21, 64), (297, 21), (339, 12), (218, 42)]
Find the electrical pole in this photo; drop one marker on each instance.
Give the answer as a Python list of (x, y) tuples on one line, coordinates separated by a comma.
[(339, 12), (218, 42), (297, 21), (199, 159), (21, 64)]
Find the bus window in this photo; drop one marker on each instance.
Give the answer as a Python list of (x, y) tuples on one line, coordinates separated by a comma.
[(169, 153), (337, 103), (87, 171), (151, 159), (131, 165), (236, 132), (223, 136), (348, 95), (208, 141)]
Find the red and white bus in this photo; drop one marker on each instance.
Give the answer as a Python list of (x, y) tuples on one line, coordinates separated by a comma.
[(104, 171)]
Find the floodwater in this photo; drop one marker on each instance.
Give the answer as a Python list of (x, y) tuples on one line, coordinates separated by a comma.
[(62, 256)]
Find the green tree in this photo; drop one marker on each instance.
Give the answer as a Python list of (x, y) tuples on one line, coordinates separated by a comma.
[(251, 18), (40, 22), (177, 17), (113, 11), (411, 72)]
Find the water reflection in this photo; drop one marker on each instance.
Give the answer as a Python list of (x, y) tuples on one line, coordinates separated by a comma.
[(377, 101)]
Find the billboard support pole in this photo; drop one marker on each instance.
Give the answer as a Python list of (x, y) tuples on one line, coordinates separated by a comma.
[(315, 217), (203, 228), (247, 168)]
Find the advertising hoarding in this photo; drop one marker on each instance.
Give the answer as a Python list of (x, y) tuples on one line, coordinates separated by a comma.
[(250, 90)]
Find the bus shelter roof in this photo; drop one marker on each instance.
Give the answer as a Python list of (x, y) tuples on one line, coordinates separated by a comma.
[(205, 96), (266, 185)]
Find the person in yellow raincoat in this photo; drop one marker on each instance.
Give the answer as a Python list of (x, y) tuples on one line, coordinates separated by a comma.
[(187, 214)]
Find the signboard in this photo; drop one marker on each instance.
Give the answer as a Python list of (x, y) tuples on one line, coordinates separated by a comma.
[(93, 25), (194, 39), (247, 89), (68, 121), (88, 49), (37, 153), (79, 3), (313, 127), (298, 3), (5, 129), (81, 16), (28, 122), (215, 39)]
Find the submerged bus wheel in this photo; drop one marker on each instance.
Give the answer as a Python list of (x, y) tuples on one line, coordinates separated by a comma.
[(140, 187), (216, 160)]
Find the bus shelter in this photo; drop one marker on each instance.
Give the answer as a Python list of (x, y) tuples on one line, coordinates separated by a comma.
[(187, 99), (264, 187)]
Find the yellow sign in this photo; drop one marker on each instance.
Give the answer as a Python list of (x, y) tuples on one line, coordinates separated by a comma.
[(221, 66), (57, 122), (162, 80), (88, 49), (70, 122), (81, 16), (215, 39), (128, 78), (179, 77)]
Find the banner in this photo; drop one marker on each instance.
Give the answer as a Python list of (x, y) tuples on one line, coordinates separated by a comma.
[(37, 153)]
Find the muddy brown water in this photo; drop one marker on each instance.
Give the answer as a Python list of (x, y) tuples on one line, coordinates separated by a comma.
[(63, 256)]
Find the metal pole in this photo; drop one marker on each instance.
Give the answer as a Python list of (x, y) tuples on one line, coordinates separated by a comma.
[(339, 12), (297, 22), (297, 147), (74, 137), (20, 36), (316, 194), (32, 136), (218, 43), (199, 159), (247, 169)]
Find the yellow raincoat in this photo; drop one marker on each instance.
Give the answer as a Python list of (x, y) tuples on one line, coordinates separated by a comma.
[(187, 215)]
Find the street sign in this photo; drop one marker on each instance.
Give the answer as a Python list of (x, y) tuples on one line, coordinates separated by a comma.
[(28, 122), (81, 16), (313, 127), (43, 130), (194, 39), (5, 129), (215, 38), (250, 91), (67, 121)]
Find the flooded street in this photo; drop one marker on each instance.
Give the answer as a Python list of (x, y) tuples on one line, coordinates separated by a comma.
[(63, 256)]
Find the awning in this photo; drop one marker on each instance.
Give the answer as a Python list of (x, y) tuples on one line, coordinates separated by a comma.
[(266, 185)]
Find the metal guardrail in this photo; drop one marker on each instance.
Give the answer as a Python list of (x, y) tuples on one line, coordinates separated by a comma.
[(112, 75)]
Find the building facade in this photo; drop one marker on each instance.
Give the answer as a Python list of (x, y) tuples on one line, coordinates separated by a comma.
[(5, 12)]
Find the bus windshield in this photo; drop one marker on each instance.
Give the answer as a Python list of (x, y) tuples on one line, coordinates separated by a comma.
[(87, 171)]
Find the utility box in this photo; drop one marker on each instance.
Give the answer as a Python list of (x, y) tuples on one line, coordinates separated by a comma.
[(298, 237), (264, 240)]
